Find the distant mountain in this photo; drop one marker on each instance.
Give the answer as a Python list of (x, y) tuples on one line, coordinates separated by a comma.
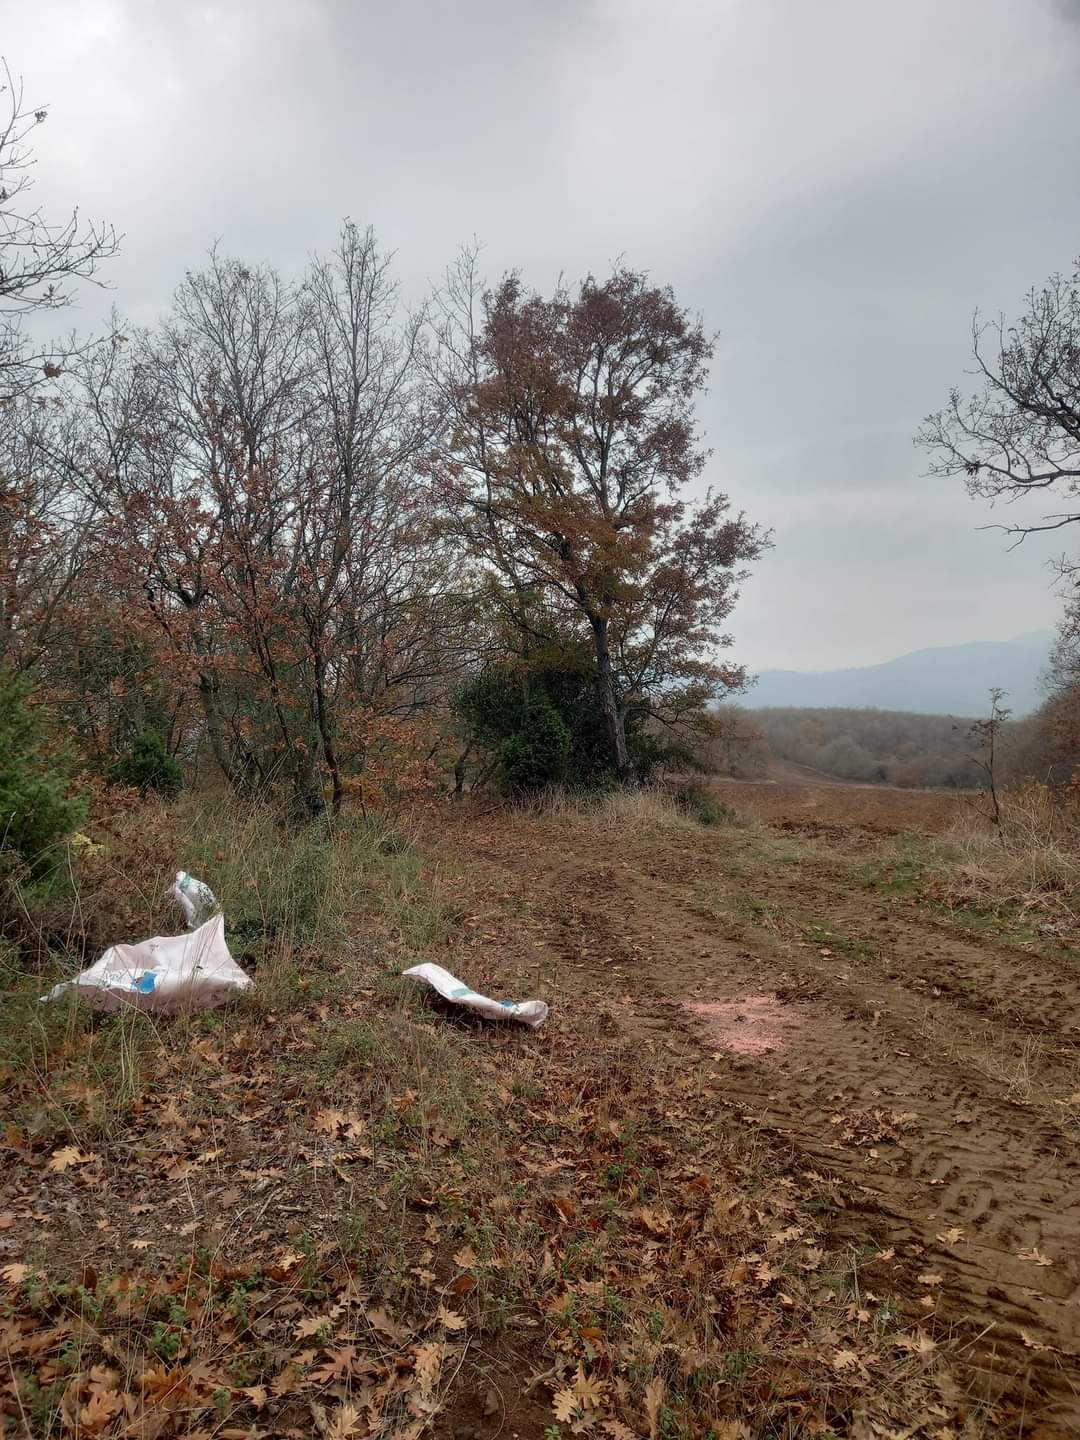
[(947, 680)]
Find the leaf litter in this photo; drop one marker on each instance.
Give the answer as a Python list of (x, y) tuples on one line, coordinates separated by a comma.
[(454, 1227)]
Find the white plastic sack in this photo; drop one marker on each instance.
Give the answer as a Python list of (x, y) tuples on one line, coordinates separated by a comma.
[(530, 1012), (167, 973), (195, 897)]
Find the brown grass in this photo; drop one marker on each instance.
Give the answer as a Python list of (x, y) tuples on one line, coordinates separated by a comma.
[(1031, 860)]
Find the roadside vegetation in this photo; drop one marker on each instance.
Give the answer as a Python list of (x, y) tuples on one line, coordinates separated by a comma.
[(1025, 870)]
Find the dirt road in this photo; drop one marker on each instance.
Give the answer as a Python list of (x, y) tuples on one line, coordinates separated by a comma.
[(933, 1070)]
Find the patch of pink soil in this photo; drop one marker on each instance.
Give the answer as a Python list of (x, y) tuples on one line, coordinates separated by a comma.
[(754, 1025)]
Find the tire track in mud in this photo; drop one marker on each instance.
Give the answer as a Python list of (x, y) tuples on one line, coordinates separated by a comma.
[(963, 1157), (997, 1008), (984, 973)]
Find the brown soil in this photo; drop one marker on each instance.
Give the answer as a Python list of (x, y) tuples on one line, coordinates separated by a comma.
[(931, 1069), (797, 798)]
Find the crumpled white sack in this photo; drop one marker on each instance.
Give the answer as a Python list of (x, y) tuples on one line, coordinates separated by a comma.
[(530, 1012), (168, 973), (195, 897)]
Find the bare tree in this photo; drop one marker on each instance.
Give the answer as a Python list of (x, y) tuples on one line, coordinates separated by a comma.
[(45, 527), (361, 544), (1018, 432), (256, 456), (986, 735), (39, 259)]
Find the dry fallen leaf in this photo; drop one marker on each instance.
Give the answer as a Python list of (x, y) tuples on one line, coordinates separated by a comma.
[(160, 1383), (589, 1391), (930, 1278), (287, 1380), (450, 1319), (918, 1344), (654, 1398), (1035, 1255), (382, 1321), (344, 1423), (15, 1274), (616, 1430), (68, 1156), (329, 1121), (565, 1404), (336, 1367), (427, 1365), (102, 1377), (99, 1411), (651, 1221)]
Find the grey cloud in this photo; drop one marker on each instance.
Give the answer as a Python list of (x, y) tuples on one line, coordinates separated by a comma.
[(835, 187)]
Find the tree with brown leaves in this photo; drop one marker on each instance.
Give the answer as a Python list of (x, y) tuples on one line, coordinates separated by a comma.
[(570, 434)]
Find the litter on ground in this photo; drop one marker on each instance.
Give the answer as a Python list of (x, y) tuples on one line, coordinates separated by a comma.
[(194, 897), (163, 974), (529, 1012)]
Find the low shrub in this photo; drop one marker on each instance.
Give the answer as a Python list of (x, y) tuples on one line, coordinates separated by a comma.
[(697, 801), (149, 766), (535, 755), (36, 811)]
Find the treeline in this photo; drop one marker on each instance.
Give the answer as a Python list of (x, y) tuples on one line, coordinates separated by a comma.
[(887, 747), (892, 747), (310, 540)]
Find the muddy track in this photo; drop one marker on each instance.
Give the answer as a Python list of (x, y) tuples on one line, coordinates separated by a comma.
[(983, 973), (888, 1082)]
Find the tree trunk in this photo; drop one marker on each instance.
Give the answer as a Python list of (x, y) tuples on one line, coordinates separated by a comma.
[(609, 700), (459, 770), (208, 697), (326, 735), (311, 802)]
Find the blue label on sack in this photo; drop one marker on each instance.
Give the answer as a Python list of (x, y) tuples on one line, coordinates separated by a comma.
[(145, 982)]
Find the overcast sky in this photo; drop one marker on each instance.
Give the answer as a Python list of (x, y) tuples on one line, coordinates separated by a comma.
[(834, 185)]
